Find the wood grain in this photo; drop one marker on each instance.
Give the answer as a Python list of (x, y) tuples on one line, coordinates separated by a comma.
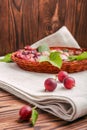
[(76, 20), (30, 21), (4, 27), (50, 16), (24, 22), (15, 23), (9, 109), (22, 19)]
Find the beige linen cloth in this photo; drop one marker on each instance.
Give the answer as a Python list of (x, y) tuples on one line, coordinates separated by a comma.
[(29, 86)]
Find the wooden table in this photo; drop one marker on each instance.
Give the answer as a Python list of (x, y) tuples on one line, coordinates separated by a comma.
[(9, 108)]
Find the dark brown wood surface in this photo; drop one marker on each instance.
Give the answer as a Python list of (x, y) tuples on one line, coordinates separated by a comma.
[(27, 21), (9, 109)]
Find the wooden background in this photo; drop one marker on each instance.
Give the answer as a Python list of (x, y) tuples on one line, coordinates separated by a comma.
[(26, 21)]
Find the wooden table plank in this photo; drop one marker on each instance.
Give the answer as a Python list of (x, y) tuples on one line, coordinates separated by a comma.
[(9, 108)]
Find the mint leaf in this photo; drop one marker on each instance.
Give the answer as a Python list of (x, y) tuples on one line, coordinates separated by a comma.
[(43, 58), (7, 58), (55, 59), (82, 56), (43, 48), (71, 58), (34, 116)]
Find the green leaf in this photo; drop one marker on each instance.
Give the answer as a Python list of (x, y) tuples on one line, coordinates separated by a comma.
[(7, 58), (43, 48), (34, 116), (55, 59), (71, 58), (43, 58), (82, 56)]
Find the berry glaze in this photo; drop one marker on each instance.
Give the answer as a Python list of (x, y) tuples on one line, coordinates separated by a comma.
[(28, 53), (32, 54), (36, 60)]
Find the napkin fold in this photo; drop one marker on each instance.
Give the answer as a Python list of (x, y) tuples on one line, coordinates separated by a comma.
[(29, 86), (62, 38)]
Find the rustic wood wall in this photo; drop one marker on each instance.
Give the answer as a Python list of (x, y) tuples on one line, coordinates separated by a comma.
[(26, 21)]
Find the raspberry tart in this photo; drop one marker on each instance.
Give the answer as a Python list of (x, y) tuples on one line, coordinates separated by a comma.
[(51, 59)]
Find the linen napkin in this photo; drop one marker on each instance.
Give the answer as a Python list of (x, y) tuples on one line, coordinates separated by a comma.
[(29, 86), (60, 38)]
